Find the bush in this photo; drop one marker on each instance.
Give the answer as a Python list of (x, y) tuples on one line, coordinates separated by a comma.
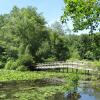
[(96, 64), (25, 60), (14, 65), (50, 59), (89, 55), (9, 65), (2, 64), (22, 68), (23, 63)]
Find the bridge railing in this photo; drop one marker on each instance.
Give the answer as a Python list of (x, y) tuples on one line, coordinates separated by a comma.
[(65, 64)]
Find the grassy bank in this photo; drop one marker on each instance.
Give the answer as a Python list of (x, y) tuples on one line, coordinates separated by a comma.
[(8, 75)]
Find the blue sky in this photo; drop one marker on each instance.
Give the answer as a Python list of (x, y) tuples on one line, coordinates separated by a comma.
[(51, 9)]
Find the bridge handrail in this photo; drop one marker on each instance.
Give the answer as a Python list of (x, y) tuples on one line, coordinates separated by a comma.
[(59, 63)]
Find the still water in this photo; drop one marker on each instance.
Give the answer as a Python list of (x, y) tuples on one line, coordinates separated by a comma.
[(82, 92)]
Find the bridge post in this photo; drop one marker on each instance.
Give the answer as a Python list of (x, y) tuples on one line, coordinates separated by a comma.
[(88, 72), (63, 70), (59, 69), (76, 70), (67, 69), (85, 72), (98, 75), (72, 70)]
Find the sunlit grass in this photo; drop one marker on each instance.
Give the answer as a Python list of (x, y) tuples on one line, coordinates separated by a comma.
[(7, 75)]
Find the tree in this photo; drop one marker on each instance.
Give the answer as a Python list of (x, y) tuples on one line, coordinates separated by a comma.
[(85, 14), (97, 46), (62, 50), (89, 47), (43, 52), (84, 46), (28, 26), (58, 28), (58, 46), (22, 32)]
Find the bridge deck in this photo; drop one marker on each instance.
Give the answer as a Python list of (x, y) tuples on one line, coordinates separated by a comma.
[(63, 65)]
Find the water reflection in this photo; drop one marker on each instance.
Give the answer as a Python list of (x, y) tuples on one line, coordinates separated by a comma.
[(83, 92)]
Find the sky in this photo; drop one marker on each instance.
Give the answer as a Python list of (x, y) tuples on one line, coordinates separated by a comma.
[(52, 9)]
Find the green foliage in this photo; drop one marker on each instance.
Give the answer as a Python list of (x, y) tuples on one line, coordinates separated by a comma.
[(62, 51), (30, 92), (58, 46), (96, 64), (21, 64), (85, 14), (23, 31), (58, 28), (51, 59), (75, 79), (21, 68), (10, 65), (89, 55), (43, 52), (74, 53), (2, 64), (26, 60), (25, 40), (89, 46)]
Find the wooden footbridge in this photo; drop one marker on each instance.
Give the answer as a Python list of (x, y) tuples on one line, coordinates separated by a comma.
[(61, 66)]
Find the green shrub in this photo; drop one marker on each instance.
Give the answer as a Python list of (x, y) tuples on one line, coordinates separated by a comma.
[(89, 55), (23, 63), (14, 65), (9, 64), (25, 60), (22, 68), (96, 64), (50, 59), (2, 64)]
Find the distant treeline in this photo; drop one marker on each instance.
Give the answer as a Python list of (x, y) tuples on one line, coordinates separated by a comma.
[(26, 40)]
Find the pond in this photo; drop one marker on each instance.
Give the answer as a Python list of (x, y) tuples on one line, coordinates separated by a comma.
[(29, 90), (83, 92)]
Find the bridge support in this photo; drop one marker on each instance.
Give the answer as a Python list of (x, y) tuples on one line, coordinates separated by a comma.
[(76, 70), (85, 72), (72, 70), (67, 69), (88, 72), (62, 70)]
